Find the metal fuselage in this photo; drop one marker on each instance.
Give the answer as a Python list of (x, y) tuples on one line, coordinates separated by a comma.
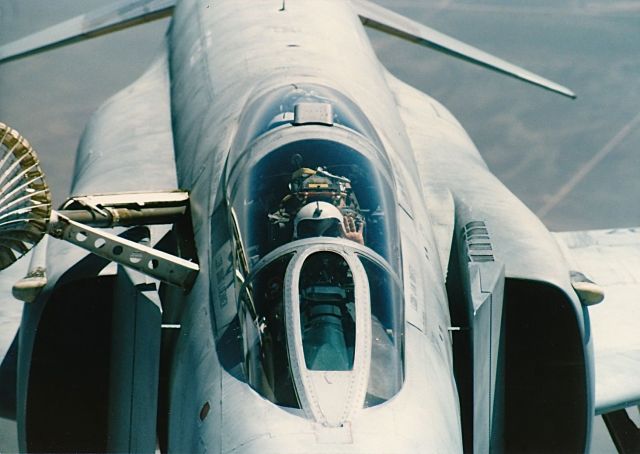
[(222, 56), (207, 100)]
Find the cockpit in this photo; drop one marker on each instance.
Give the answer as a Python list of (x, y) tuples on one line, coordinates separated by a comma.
[(312, 187), (317, 258)]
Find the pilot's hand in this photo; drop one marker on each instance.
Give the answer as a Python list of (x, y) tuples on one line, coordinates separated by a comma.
[(351, 231)]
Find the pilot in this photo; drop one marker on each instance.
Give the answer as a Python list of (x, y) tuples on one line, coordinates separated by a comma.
[(319, 204), (325, 219)]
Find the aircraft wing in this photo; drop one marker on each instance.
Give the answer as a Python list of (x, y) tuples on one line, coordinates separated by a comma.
[(384, 20), (611, 258), (104, 20)]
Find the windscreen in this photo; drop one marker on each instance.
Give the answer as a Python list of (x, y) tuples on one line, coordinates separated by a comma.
[(313, 188)]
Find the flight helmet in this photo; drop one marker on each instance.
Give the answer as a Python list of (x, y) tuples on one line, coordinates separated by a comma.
[(317, 219)]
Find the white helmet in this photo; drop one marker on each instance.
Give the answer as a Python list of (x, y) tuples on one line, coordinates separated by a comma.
[(317, 219)]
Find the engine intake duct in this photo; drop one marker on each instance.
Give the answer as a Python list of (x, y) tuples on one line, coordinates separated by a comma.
[(519, 355), (546, 408)]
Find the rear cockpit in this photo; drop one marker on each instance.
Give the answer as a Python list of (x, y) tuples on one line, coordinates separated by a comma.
[(320, 308), (317, 255)]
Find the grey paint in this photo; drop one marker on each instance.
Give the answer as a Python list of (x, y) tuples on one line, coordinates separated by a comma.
[(475, 136), (611, 258), (209, 89), (533, 141)]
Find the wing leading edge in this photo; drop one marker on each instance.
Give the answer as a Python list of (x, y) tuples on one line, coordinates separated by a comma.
[(104, 20), (128, 13), (382, 19)]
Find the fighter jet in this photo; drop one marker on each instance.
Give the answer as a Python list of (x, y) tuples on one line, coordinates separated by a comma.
[(274, 245)]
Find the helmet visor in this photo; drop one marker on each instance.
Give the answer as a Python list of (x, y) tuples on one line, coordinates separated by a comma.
[(309, 228)]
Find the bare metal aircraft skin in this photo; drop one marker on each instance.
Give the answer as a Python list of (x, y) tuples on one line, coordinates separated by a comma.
[(305, 254)]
